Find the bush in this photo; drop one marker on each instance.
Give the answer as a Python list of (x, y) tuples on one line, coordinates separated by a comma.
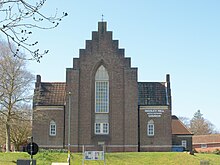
[(54, 150), (217, 151)]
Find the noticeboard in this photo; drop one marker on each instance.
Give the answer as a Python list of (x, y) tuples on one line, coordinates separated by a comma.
[(94, 155)]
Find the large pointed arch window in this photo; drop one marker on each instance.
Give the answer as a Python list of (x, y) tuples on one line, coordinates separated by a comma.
[(101, 90), (101, 101)]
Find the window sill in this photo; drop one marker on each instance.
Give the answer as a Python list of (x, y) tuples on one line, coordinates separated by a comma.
[(101, 137), (52, 135)]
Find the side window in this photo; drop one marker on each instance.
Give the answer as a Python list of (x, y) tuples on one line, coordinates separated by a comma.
[(52, 128), (203, 145), (184, 143), (150, 128)]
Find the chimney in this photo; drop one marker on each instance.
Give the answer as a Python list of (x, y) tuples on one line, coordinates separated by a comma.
[(169, 91), (168, 78), (38, 82)]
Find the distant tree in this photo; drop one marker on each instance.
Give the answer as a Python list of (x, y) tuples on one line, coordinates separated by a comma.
[(185, 121), (15, 85), (17, 20), (200, 126)]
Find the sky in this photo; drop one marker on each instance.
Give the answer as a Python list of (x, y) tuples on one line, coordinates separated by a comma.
[(176, 37)]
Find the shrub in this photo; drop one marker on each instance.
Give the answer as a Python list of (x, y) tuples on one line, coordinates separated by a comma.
[(217, 151), (54, 150)]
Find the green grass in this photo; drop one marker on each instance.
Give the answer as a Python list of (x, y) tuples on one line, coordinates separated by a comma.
[(130, 158)]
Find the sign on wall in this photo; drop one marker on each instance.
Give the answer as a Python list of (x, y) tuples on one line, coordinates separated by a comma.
[(154, 112)]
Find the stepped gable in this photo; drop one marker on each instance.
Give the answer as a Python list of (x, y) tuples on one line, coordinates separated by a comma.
[(100, 45), (101, 41)]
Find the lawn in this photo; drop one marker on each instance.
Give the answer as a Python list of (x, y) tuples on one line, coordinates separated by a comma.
[(132, 158)]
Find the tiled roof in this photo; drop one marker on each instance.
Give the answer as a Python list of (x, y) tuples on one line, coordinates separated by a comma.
[(50, 93), (178, 127), (206, 139), (152, 93)]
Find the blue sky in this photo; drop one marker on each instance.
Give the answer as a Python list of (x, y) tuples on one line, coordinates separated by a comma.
[(178, 37)]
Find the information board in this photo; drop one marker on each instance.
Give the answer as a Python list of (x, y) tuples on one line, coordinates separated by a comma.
[(94, 155)]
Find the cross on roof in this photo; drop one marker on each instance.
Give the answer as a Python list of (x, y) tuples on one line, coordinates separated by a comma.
[(102, 17)]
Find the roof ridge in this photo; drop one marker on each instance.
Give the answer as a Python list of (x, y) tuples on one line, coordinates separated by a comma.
[(209, 135), (54, 82)]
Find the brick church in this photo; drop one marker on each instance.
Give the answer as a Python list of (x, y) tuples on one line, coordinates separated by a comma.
[(102, 103)]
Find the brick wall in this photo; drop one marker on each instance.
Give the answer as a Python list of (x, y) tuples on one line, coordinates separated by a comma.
[(177, 140), (79, 99), (41, 126), (102, 50), (162, 139)]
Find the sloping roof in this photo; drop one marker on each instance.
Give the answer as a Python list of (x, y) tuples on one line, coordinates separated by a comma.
[(206, 139), (178, 127), (51, 93), (152, 93)]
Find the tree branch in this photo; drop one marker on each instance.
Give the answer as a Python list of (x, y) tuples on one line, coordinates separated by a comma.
[(16, 29)]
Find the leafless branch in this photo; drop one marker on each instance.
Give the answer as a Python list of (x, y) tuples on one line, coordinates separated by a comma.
[(18, 18)]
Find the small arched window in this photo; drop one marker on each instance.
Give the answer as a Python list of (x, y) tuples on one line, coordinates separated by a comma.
[(150, 128), (52, 128)]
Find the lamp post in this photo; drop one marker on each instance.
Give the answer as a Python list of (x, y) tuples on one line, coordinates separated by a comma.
[(69, 96), (31, 139), (139, 136)]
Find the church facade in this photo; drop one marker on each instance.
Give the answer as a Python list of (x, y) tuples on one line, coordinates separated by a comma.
[(102, 103)]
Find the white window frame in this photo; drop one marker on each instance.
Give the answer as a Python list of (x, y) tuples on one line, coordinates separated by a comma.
[(203, 145), (184, 143), (150, 129), (102, 130), (97, 131), (106, 104), (105, 128), (101, 125), (53, 129), (102, 96)]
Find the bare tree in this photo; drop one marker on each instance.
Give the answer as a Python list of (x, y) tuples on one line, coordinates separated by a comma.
[(15, 85), (18, 18), (185, 121), (21, 126)]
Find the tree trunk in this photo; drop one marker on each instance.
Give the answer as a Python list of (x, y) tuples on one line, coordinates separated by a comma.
[(8, 138)]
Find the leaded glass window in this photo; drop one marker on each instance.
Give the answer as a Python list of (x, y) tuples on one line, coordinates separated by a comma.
[(101, 101), (101, 128), (101, 90)]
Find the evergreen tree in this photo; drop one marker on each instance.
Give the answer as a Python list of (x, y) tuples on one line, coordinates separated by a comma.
[(199, 125)]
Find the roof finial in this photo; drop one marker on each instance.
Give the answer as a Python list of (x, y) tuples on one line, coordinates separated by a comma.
[(102, 17)]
